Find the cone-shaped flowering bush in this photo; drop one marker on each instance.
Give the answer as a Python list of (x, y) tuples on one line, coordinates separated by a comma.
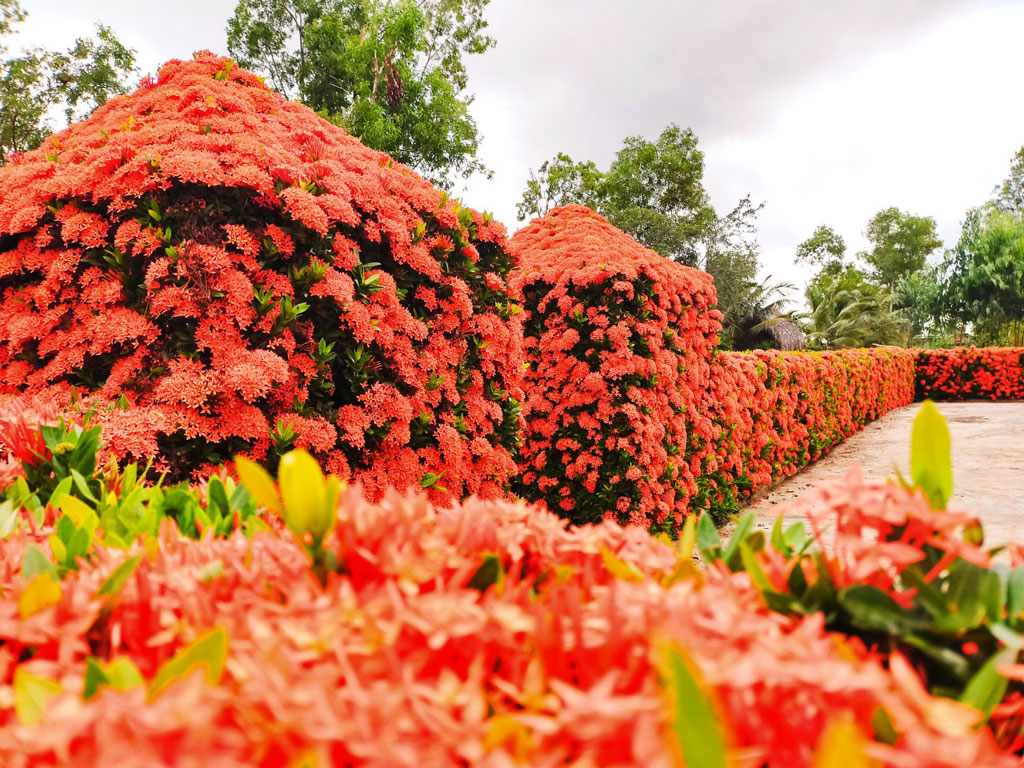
[(964, 373), (241, 275), (618, 341)]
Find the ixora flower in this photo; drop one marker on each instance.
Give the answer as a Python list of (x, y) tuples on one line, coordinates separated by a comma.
[(484, 633), (242, 276)]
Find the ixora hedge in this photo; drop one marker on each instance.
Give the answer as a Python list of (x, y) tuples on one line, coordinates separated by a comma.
[(329, 630), (241, 276), (618, 343), (769, 413), (631, 413), (970, 373)]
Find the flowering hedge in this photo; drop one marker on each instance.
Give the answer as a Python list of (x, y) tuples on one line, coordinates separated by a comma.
[(618, 342), (630, 412), (239, 275), (482, 634), (963, 373), (769, 413)]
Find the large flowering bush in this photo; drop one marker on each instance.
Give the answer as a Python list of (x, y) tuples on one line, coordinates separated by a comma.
[(769, 413), (618, 342), (964, 373), (239, 275), (344, 632)]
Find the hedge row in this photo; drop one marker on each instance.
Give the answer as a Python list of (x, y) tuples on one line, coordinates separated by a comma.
[(970, 373), (767, 414)]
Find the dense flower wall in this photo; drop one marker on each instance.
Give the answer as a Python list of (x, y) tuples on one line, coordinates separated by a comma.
[(239, 275), (970, 373), (769, 413), (630, 411), (485, 634), (618, 343)]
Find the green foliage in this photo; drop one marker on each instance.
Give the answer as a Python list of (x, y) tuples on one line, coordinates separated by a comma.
[(900, 243), (391, 73), (561, 181), (984, 278), (824, 248), (848, 310), (1008, 196), (37, 82), (122, 505)]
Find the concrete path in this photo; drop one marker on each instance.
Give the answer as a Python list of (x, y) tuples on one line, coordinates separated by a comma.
[(988, 463)]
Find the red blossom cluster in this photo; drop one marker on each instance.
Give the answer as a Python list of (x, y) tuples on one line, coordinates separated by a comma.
[(410, 657), (618, 342), (966, 373), (769, 413), (244, 276)]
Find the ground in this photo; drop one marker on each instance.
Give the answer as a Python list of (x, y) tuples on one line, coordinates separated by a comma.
[(988, 463)]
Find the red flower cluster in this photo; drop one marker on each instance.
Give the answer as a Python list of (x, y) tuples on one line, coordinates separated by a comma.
[(963, 373), (769, 413), (248, 276), (618, 342), (485, 634)]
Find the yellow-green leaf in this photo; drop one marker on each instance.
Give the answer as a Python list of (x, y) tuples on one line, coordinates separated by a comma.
[(74, 508), (259, 484), (30, 696), (120, 674), (698, 730), (42, 592), (618, 567), (117, 579), (209, 651), (931, 463)]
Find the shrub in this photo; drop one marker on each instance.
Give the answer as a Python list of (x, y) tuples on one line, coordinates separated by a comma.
[(238, 275), (617, 341), (769, 413), (964, 373), (400, 634)]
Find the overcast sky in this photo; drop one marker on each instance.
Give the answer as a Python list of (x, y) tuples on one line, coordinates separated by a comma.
[(825, 110)]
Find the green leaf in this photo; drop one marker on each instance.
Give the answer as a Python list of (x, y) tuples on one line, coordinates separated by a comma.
[(1015, 593), (488, 574), (871, 608), (697, 728), (31, 694), (987, 687), (116, 581), (751, 566), (35, 562), (708, 541), (209, 651), (931, 463), (121, 674), (731, 555)]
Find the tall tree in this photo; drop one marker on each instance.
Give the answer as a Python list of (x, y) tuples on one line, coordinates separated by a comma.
[(900, 244), (655, 191), (1008, 197), (848, 310), (824, 248), (391, 72), (37, 82), (561, 181)]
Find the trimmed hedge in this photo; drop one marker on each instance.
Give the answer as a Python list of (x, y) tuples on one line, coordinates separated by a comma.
[(242, 276), (971, 373), (618, 342), (630, 412), (768, 413)]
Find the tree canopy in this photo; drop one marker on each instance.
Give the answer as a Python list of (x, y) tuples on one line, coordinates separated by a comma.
[(900, 244), (391, 72), (36, 83)]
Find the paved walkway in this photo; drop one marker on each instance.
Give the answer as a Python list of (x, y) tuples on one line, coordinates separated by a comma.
[(988, 463)]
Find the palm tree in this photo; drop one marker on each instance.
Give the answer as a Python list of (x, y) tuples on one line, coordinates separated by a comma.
[(764, 322)]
